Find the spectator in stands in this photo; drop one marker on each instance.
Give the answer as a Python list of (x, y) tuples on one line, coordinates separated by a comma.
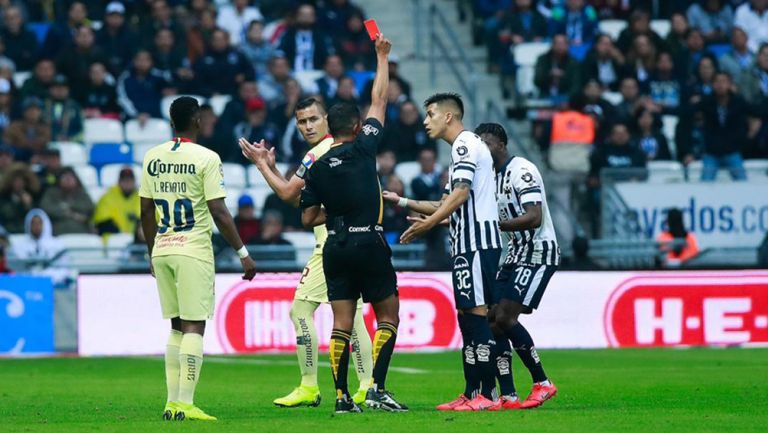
[(648, 136), (594, 103), (335, 15), (234, 111), (753, 81), (327, 85), (282, 117), (99, 98), (6, 104), (523, 24), (19, 189), (39, 244), (306, 46), (199, 35), (406, 137), (68, 205), (426, 186), (210, 135), (689, 137), (617, 153), (21, 44), (30, 134), (62, 34), (603, 63), (713, 17), (725, 124), (234, 18), (739, 58), (641, 61), (254, 128), (753, 18), (687, 61), (576, 20), (386, 162), (630, 99), (678, 244), (47, 165), (161, 18), (171, 60), (222, 68), (257, 49), (271, 229), (347, 92), (271, 87), (7, 67), (700, 85), (62, 113), (74, 61), (355, 46), (612, 9), (639, 24), (395, 218), (248, 226), (556, 72), (116, 39), (291, 215), (37, 85), (141, 88), (6, 159), (117, 211), (675, 40), (394, 75), (663, 86)]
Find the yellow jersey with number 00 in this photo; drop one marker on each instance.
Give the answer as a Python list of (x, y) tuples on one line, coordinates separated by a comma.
[(180, 177)]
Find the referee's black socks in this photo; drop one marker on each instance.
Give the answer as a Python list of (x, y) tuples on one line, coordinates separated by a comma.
[(383, 347), (523, 344), (339, 353)]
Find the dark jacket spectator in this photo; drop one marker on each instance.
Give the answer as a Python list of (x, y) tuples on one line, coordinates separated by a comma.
[(140, 89), (161, 18), (234, 111), (739, 58), (335, 15), (639, 24), (68, 205), (257, 49), (576, 20), (21, 44), (688, 59), (271, 86), (37, 85), (523, 24), (355, 45), (700, 84), (725, 119), (255, 127), (222, 68), (617, 152), (19, 189), (675, 40), (648, 136), (63, 113), (406, 136), (271, 229), (248, 226), (556, 72), (305, 45), (75, 61), (62, 34), (663, 86), (329, 82), (426, 186), (116, 39), (171, 60), (641, 61), (30, 134), (603, 63), (753, 82), (713, 17), (99, 98)]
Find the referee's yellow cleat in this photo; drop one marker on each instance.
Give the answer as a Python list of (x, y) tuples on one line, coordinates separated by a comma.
[(359, 397), (191, 412), (301, 396), (170, 411)]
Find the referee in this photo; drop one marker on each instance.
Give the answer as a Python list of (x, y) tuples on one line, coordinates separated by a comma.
[(356, 258)]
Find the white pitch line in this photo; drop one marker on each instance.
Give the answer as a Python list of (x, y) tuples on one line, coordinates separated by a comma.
[(406, 370)]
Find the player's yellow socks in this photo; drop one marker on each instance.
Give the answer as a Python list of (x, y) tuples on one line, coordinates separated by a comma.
[(172, 365), (339, 354), (303, 318), (383, 347), (362, 350), (191, 362)]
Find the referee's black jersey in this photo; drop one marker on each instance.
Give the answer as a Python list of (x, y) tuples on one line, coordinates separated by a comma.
[(344, 180)]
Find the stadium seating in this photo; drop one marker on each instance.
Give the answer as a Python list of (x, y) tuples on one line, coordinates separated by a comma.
[(695, 168), (111, 172), (526, 55), (117, 243), (612, 28), (665, 172), (110, 153), (140, 149), (259, 194), (71, 153), (165, 104), (218, 102), (661, 27), (303, 242), (20, 77), (757, 170), (84, 250), (102, 131), (95, 193), (88, 175), (407, 171), (233, 195), (154, 132), (234, 175)]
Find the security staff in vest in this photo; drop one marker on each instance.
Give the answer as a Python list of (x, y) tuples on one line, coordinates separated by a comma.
[(342, 191)]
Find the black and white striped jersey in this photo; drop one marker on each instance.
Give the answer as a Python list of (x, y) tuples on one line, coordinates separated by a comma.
[(517, 183), (475, 225)]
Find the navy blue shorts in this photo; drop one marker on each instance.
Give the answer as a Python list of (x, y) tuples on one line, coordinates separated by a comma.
[(524, 283), (473, 278)]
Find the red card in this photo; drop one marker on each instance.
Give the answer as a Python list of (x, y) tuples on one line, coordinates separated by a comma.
[(373, 28)]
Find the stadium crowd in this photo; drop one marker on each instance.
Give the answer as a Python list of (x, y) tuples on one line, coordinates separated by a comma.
[(63, 63)]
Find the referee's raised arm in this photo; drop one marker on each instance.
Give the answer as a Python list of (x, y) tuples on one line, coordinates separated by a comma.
[(381, 81)]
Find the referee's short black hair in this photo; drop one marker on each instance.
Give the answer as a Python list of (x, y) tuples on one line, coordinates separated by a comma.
[(184, 110), (449, 97), (494, 129), (308, 102), (343, 118)]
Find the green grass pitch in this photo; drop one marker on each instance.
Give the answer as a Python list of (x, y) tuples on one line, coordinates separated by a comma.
[(694, 390)]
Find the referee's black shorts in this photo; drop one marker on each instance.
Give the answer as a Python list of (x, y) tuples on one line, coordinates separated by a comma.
[(361, 265)]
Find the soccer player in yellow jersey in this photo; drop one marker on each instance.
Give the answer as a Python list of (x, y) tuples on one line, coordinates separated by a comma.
[(182, 195), (312, 122)]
